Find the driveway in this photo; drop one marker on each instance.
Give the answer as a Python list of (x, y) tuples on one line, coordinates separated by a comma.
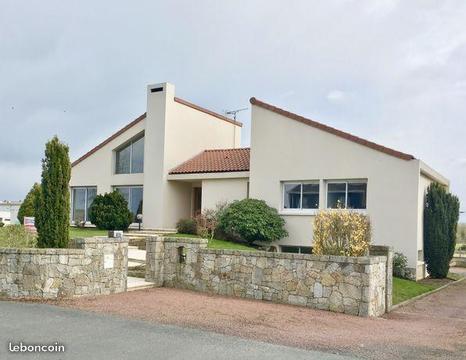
[(87, 335), (431, 328)]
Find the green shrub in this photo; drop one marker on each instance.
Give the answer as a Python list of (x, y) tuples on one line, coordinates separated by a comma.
[(27, 207), (52, 203), (462, 247), (110, 212), (441, 214), (341, 232), (1, 224), (186, 226), (17, 236), (252, 220), (400, 266)]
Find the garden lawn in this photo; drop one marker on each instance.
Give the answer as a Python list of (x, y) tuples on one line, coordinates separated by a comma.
[(76, 232), (407, 289), (219, 244)]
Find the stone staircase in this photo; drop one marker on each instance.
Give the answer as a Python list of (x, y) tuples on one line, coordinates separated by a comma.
[(137, 256), (138, 237)]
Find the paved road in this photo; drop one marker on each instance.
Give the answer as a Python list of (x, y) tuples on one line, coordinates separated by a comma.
[(94, 336)]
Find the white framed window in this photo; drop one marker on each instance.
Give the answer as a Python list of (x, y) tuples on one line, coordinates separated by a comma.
[(81, 200), (129, 159), (133, 195), (300, 196), (347, 194)]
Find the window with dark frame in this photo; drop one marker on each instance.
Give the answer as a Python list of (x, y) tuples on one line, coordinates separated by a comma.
[(130, 158), (347, 195)]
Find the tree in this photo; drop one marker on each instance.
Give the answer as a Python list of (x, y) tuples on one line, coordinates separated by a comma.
[(110, 212), (252, 220), (52, 206), (27, 207), (441, 214)]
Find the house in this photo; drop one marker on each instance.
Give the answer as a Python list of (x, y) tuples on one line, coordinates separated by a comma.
[(179, 158), (9, 212)]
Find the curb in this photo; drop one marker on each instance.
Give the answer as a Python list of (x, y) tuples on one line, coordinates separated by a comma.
[(409, 301)]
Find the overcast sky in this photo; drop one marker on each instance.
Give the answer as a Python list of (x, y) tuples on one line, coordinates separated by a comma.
[(390, 71)]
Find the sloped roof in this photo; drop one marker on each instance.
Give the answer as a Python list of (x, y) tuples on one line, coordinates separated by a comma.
[(106, 141), (143, 116), (204, 110), (215, 161), (332, 130)]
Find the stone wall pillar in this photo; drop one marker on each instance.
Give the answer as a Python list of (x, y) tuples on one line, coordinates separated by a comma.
[(387, 251), (155, 254)]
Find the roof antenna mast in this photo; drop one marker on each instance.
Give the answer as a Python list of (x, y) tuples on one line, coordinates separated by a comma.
[(234, 112)]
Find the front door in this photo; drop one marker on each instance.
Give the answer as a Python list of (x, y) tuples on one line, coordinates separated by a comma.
[(197, 201)]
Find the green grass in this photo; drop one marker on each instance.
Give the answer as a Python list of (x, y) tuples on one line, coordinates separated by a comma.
[(222, 244), (407, 289), (76, 232), (219, 244)]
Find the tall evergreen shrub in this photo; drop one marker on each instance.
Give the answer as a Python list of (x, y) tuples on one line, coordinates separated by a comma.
[(441, 214), (53, 204), (27, 207)]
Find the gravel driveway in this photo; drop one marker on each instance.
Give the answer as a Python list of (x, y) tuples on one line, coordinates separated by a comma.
[(92, 336), (431, 328)]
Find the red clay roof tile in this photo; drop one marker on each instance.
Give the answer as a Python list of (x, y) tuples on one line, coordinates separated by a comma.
[(215, 161)]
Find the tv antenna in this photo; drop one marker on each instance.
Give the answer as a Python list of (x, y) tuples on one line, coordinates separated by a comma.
[(234, 112)]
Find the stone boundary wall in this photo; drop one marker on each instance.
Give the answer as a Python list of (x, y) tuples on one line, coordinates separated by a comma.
[(351, 285), (94, 266)]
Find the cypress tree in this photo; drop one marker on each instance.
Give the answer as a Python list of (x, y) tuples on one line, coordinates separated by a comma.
[(441, 214), (53, 204), (27, 207)]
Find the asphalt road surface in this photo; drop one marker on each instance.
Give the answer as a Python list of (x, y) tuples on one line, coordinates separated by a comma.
[(87, 335)]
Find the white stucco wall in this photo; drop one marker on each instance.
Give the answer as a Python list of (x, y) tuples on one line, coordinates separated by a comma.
[(188, 131), (215, 191), (283, 149)]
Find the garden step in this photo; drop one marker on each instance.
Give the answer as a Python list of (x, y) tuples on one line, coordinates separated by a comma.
[(135, 283)]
